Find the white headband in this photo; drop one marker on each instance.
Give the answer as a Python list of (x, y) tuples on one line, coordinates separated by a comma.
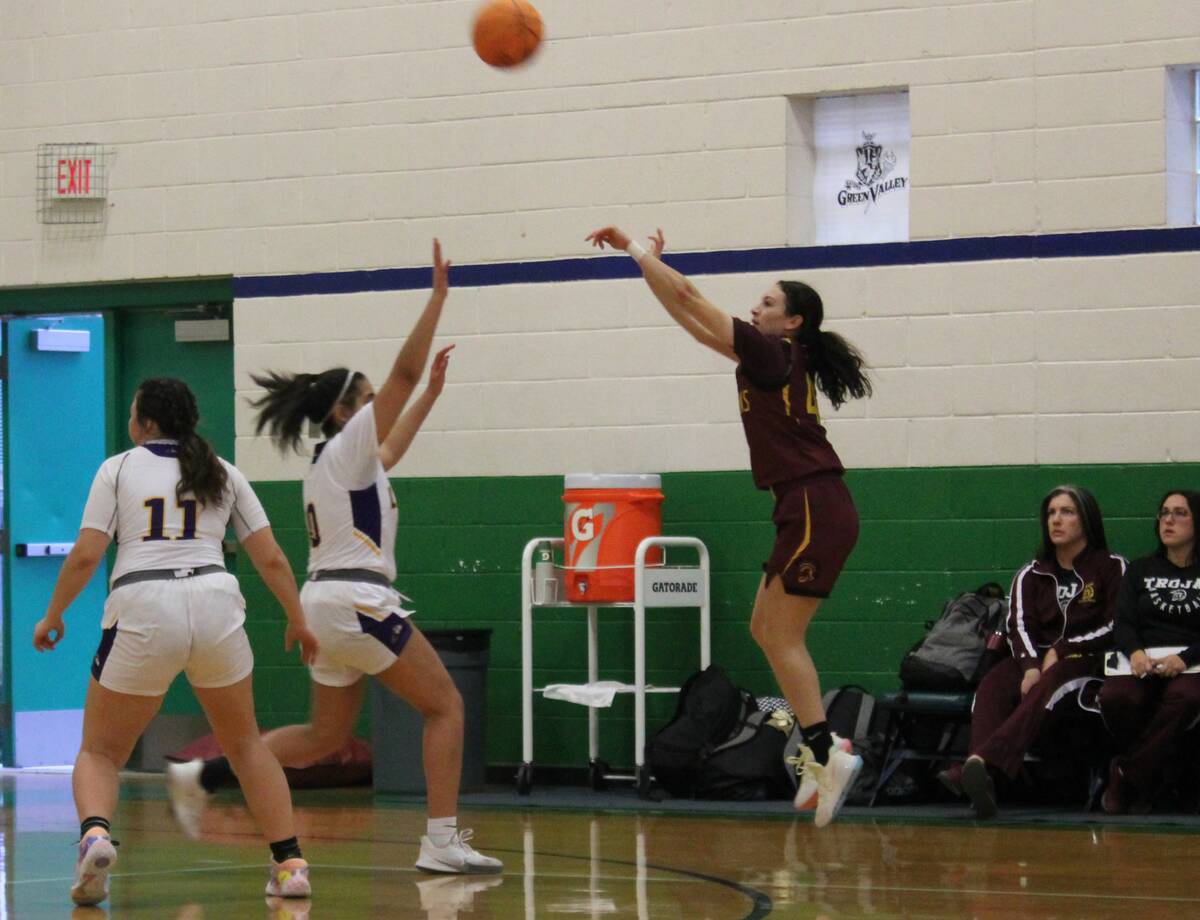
[(341, 393)]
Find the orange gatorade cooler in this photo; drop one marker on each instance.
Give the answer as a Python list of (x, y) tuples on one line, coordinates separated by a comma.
[(605, 517)]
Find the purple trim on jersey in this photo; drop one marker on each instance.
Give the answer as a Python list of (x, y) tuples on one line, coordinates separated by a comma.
[(394, 631), (366, 514), (107, 638), (163, 448)]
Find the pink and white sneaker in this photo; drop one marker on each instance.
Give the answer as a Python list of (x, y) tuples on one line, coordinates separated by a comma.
[(806, 789), (97, 855), (834, 782), (289, 879)]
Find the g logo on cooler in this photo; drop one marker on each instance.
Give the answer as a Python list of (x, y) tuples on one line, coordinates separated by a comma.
[(582, 526)]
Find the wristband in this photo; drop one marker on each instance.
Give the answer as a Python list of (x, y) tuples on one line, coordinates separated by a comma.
[(637, 250)]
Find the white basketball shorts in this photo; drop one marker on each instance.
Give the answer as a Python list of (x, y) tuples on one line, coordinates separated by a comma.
[(155, 629), (362, 628)]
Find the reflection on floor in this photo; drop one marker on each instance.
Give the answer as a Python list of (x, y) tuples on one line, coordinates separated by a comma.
[(587, 863)]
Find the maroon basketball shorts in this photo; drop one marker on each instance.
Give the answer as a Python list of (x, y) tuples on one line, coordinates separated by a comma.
[(816, 527)]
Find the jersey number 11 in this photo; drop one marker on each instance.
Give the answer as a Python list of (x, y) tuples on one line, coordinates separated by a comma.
[(158, 507)]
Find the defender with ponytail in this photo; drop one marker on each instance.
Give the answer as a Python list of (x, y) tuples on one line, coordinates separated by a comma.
[(359, 617), (293, 399), (170, 405), (783, 358), (173, 607)]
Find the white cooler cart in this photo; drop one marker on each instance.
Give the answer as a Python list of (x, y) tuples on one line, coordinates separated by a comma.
[(654, 586)]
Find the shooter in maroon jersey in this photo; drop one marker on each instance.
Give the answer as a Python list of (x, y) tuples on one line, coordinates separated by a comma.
[(784, 357)]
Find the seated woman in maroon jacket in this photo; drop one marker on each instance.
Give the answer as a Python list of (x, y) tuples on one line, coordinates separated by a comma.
[(1059, 625), (1158, 630)]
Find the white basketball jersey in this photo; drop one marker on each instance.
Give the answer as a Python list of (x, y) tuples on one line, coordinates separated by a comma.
[(348, 502), (133, 499)]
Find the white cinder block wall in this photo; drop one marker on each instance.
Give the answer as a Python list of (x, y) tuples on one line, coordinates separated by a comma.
[(298, 136)]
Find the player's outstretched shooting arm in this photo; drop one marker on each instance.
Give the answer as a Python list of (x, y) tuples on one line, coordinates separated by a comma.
[(409, 366), (397, 442), (706, 323)]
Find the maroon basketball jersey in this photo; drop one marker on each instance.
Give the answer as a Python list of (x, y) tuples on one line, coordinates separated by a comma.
[(778, 400)]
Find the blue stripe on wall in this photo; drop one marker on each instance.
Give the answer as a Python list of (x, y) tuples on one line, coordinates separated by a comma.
[(783, 258)]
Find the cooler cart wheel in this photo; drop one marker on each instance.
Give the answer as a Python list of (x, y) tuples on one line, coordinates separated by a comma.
[(596, 771), (642, 776), (524, 779)]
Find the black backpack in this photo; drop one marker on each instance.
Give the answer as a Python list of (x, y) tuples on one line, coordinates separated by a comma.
[(749, 765), (954, 655), (850, 712), (709, 710)]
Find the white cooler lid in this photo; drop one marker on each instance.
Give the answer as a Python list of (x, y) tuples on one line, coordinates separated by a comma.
[(612, 481)]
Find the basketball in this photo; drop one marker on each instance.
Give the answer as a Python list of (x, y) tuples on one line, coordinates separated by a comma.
[(506, 32)]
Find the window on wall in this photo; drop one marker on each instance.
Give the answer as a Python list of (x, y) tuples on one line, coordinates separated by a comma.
[(1195, 133), (1183, 150), (848, 175)]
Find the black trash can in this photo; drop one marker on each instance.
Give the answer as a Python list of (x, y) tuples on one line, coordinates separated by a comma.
[(396, 727)]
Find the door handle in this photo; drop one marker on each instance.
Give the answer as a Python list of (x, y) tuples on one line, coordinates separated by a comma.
[(43, 549)]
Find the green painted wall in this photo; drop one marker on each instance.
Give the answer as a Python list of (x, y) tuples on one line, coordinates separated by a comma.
[(926, 535)]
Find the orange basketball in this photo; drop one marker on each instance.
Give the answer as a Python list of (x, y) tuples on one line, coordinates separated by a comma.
[(506, 32)]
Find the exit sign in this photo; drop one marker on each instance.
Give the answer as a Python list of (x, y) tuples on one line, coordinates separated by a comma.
[(72, 182), (76, 171), (77, 177)]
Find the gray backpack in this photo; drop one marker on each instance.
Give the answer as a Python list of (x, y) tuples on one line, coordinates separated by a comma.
[(960, 645)]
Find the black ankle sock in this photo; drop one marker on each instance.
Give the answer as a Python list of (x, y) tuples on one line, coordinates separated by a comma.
[(217, 773), (282, 850), (818, 739), (88, 823)]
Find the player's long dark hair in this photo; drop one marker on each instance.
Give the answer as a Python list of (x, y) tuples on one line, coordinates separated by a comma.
[(1090, 520), (169, 403), (838, 366), (1193, 502), (293, 399)]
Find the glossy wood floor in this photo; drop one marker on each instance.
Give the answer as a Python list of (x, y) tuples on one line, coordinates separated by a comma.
[(584, 865)]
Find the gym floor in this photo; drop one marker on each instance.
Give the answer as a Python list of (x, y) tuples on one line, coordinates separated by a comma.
[(575, 853)]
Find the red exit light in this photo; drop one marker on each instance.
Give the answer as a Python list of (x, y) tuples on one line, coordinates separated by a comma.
[(74, 179)]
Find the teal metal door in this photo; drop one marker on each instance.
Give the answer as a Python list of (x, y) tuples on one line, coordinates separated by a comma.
[(55, 413)]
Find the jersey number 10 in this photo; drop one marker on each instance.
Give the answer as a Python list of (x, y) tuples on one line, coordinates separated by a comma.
[(158, 515)]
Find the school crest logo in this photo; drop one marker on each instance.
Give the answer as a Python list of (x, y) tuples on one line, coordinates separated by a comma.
[(873, 164), (806, 572), (1088, 596), (873, 174)]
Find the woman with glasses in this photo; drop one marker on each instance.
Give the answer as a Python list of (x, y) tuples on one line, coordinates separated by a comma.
[(1059, 625), (1158, 631)]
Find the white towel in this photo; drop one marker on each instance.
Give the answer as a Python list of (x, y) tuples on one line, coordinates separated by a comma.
[(598, 695)]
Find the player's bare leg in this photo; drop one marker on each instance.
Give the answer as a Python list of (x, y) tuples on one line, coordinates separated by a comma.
[(230, 711), (419, 678), (112, 724), (332, 714), (779, 625)]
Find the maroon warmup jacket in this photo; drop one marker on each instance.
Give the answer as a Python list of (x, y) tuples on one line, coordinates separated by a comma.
[(1035, 622)]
